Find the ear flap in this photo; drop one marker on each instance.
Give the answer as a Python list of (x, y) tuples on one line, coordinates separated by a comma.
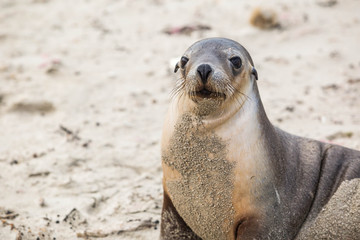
[(253, 71), (176, 67)]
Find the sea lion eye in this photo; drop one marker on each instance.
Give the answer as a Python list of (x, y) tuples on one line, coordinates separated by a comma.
[(183, 61), (236, 62)]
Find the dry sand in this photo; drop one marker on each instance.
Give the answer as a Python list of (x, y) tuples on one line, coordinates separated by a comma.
[(84, 86)]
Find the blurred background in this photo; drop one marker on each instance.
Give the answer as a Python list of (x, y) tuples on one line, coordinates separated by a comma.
[(84, 87)]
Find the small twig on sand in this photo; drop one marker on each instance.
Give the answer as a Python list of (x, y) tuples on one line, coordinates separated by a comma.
[(70, 133), (7, 214), (39, 174), (99, 234)]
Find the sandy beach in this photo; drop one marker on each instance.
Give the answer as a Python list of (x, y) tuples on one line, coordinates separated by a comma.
[(85, 85)]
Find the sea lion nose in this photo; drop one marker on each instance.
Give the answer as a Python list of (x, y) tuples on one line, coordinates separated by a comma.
[(204, 71)]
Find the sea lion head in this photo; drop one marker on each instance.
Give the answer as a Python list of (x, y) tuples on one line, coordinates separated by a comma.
[(215, 70)]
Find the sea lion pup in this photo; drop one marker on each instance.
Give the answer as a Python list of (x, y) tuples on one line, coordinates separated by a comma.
[(228, 172)]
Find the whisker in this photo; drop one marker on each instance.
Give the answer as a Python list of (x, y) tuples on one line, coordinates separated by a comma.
[(179, 87), (238, 95), (238, 92)]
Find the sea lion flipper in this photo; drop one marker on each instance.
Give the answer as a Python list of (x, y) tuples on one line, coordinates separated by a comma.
[(173, 227)]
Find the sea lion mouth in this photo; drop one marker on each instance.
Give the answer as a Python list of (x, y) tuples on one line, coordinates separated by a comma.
[(205, 93)]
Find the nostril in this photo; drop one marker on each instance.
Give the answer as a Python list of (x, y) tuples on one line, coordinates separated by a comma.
[(204, 71)]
